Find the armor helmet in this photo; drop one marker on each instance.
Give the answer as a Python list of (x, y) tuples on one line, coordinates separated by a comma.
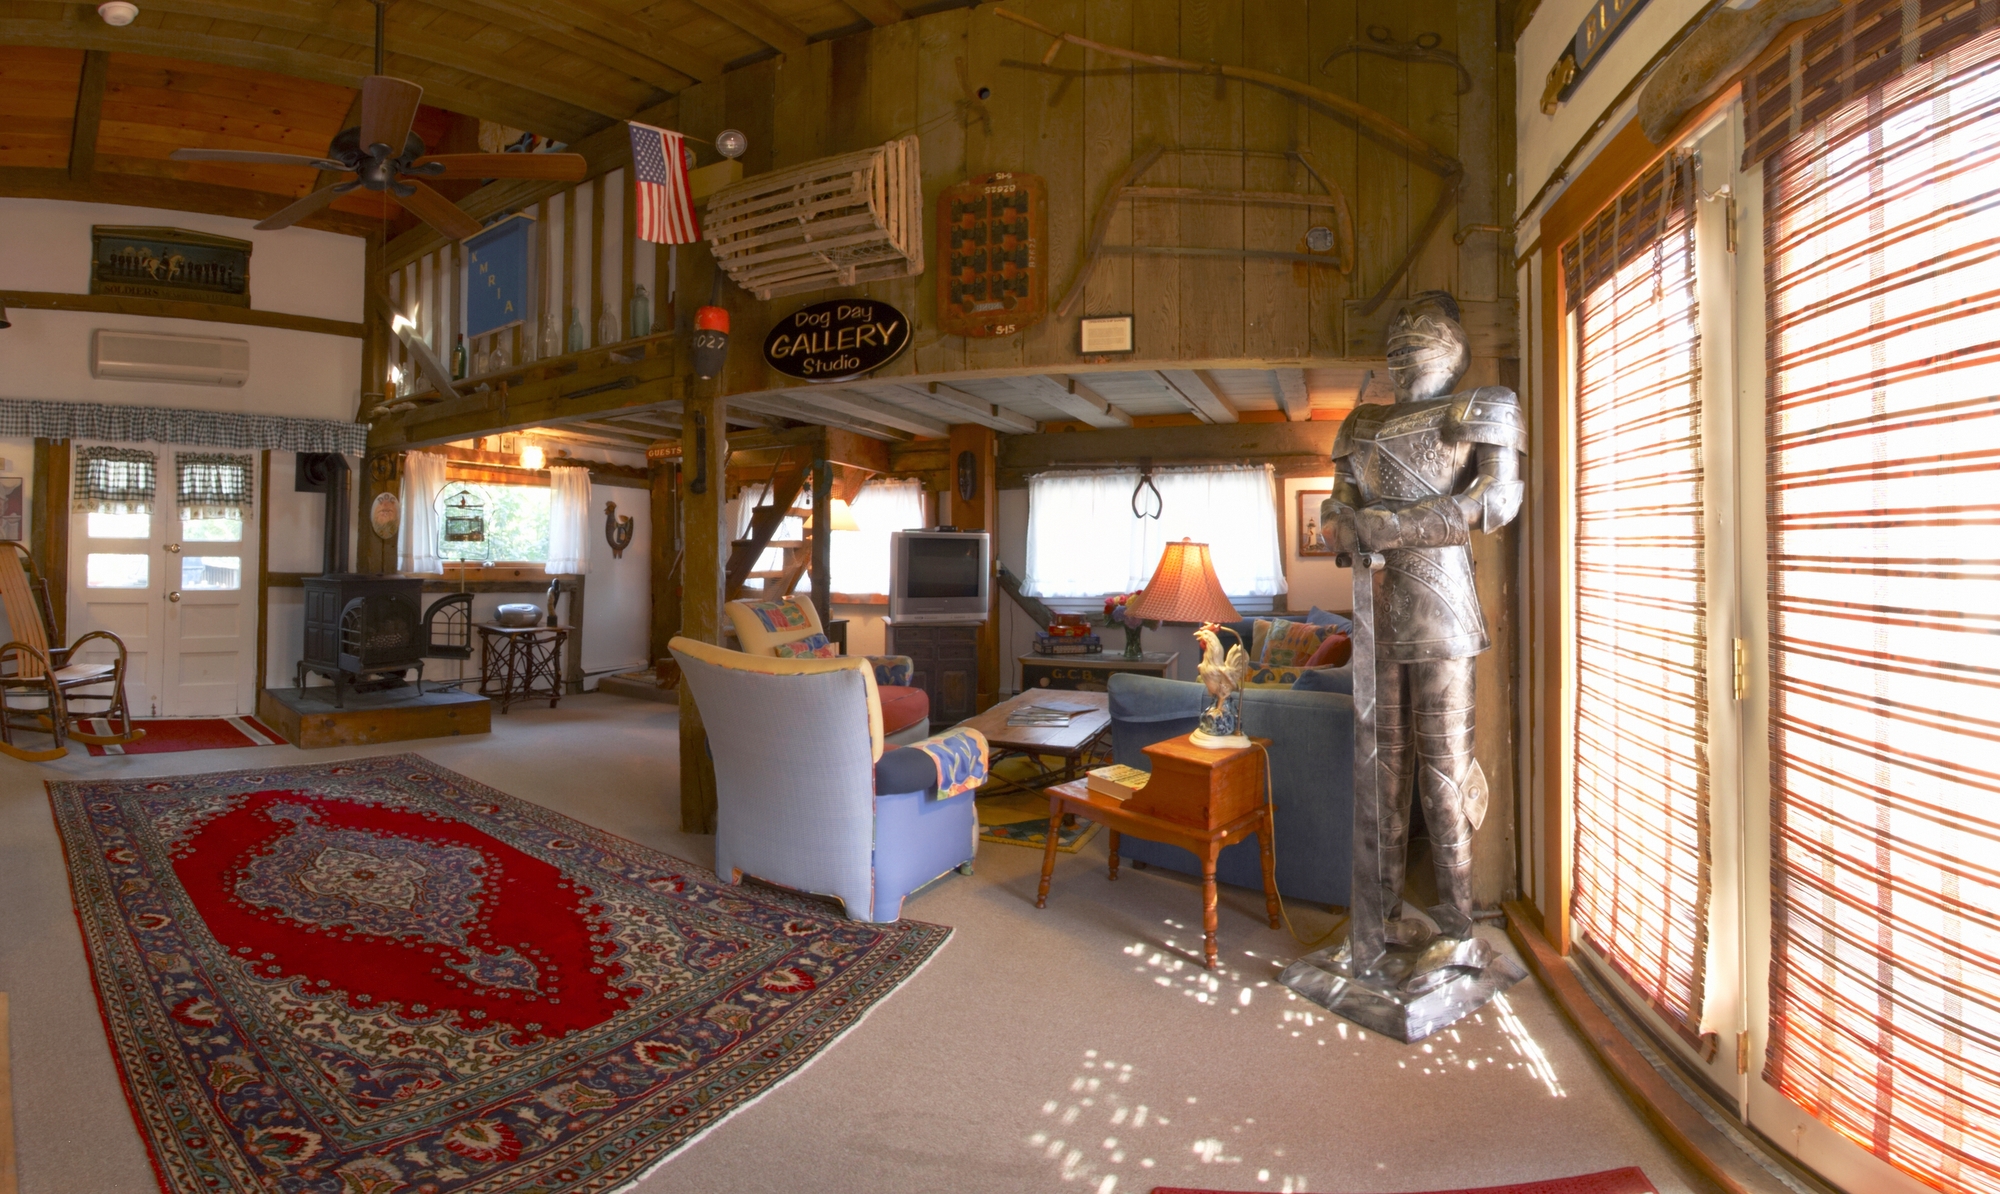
[(1428, 351)]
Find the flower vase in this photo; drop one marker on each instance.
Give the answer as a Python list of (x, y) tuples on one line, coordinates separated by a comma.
[(1132, 648)]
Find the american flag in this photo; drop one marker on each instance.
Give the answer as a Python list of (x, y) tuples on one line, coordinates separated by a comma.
[(664, 203)]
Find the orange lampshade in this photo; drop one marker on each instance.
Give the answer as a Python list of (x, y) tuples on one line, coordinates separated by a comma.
[(1184, 588)]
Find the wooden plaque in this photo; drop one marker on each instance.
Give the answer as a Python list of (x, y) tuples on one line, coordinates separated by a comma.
[(992, 231)]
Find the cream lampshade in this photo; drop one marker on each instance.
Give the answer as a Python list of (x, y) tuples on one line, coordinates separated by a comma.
[(1184, 588), (843, 517)]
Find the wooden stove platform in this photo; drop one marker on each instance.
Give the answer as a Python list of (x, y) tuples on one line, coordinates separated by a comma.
[(308, 719)]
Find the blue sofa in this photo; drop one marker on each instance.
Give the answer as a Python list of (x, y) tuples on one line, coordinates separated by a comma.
[(1312, 778)]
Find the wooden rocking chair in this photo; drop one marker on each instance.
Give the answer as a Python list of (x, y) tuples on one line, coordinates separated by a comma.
[(51, 678)]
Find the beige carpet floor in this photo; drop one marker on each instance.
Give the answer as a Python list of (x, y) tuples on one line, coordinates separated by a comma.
[(1076, 1048)]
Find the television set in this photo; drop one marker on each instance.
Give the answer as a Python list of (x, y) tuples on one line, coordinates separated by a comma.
[(939, 576)]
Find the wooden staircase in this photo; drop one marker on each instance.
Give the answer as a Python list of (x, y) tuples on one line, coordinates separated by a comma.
[(788, 476)]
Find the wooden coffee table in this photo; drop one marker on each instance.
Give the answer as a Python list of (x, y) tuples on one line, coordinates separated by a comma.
[(1073, 743)]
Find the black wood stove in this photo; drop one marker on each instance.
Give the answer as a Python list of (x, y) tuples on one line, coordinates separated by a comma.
[(364, 632)]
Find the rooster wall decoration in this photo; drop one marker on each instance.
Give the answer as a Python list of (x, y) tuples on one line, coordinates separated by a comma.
[(617, 531)]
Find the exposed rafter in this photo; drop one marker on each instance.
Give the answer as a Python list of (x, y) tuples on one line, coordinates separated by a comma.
[(1203, 398), (1075, 399), (854, 402), (1293, 397), (879, 12), (172, 194), (759, 22), (954, 405), (89, 110)]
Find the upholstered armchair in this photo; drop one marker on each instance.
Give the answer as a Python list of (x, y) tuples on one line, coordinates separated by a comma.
[(808, 795), (789, 628)]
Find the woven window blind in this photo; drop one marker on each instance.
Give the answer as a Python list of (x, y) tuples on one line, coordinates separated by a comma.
[(1883, 533), (1641, 879)]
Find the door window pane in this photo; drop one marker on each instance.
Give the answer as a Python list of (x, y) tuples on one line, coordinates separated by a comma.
[(118, 526), (211, 572), (211, 530), (116, 570)]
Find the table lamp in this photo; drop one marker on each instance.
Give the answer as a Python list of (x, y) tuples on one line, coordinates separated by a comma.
[(1184, 588), (842, 519)]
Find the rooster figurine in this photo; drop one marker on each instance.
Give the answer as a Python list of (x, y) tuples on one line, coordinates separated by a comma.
[(1222, 674), (617, 531)]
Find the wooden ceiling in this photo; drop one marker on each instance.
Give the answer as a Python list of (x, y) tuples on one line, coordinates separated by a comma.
[(90, 111)]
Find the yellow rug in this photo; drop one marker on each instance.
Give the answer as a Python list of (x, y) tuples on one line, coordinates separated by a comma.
[(1021, 818)]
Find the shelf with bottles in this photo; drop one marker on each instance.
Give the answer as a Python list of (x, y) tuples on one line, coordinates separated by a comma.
[(516, 372)]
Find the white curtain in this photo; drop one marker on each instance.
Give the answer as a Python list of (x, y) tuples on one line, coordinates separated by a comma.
[(569, 521), (417, 541), (861, 558), (1084, 541)]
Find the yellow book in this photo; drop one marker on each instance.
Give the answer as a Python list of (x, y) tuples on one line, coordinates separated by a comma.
[(1117, 781)]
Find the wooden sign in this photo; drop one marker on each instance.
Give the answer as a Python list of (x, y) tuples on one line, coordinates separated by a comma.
[(837, 340), (991, 234)]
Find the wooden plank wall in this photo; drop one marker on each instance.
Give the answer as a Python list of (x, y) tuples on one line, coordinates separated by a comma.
[(1080, 121)]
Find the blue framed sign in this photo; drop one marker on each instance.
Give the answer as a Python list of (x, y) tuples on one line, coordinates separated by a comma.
[(496, 275)]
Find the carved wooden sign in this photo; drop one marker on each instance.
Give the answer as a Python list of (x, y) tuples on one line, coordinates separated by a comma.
[(837, 340), (991, 232)]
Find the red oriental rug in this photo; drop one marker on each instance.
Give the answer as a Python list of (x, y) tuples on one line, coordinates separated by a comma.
[(379, 976), (170, 735), (1611, 1181)]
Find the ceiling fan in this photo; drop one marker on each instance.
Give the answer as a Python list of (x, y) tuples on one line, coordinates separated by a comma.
[(384, 155)]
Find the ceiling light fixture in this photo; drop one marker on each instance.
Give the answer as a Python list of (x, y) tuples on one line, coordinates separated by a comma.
[(531, 456), (118, 12)]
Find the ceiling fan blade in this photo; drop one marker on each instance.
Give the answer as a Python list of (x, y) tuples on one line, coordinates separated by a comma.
[(437, 211), (552, 167), (303, 208), (388, 107), (253, 157)]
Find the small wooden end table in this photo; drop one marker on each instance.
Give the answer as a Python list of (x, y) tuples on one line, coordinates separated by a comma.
[(525, 662), (1200, 800)]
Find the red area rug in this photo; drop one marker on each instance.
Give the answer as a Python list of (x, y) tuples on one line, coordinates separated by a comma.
[(1611, 1181), (169, 735), (379, 976)]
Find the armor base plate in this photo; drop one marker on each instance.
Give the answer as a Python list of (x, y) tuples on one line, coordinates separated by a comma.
[(1421, 988)]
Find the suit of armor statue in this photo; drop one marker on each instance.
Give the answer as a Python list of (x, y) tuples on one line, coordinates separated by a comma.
[(1413, 481)]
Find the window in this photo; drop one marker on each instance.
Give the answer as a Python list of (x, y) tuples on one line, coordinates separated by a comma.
[(1641, 769), (1085, 539), (1883, 531), (490, 523)]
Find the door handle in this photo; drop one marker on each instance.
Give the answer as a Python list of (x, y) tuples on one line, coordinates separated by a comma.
[(174, 547), (174, 596)]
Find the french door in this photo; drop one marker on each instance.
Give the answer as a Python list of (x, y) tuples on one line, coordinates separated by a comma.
[(180, 593), (1786, 652)]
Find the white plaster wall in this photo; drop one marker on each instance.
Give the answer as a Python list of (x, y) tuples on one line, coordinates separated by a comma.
[(618, 606), (1315, 580), (45, 245)]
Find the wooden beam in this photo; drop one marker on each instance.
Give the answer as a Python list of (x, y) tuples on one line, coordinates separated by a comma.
[(1293, 397), (48, 526), (504, 102), (89, 108), (855, 402), (1202, 397), (879, 12), (1075, 399), (592, 17), (665, 515), (780, 402), (954, 405), (760, 23), (705, 548), (585, 45), (136, 190), (547, 402), (981, 512), (113, 304), (1296, 449), (603, 151)]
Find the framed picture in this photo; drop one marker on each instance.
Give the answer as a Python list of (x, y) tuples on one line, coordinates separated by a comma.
[(169, 263), (13, 510), (1309, 544)]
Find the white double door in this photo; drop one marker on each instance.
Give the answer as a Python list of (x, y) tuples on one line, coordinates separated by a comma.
[(181, 596)]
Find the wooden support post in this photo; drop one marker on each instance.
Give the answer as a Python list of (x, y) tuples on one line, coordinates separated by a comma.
[(705, 443), (569, 267), (665, 472), (264, 567), (822, 538), (979, 513), (48, 529)]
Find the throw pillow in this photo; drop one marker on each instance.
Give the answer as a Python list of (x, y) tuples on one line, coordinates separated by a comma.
[(780, 616), (1320, 617), (1334, 650), (1272, 677), (813, 646), (1290, 644), (1325, 679)]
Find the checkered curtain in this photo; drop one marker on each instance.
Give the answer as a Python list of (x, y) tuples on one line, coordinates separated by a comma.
[(214, 485), (114, 481)]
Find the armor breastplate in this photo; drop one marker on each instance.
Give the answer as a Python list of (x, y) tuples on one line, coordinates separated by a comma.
[(1400, 455)]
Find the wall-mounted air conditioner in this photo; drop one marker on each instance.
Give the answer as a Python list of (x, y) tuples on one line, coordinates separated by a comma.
[(185, 360)]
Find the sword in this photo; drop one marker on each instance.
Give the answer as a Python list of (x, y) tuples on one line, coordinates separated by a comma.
[(1367, 931)]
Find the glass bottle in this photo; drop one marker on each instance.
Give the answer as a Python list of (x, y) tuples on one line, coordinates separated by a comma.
[(576, 343), (607, 327), (552, 345), (642, 313), (458, 359), (497, 359)]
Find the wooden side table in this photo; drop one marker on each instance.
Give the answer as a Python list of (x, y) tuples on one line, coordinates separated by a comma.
[(1200, 800), (521, 663)]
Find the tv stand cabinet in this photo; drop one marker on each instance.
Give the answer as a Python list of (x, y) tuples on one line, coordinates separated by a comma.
[(946, 665)]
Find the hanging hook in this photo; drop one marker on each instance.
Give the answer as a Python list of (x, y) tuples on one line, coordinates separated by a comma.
[(1146, 482)]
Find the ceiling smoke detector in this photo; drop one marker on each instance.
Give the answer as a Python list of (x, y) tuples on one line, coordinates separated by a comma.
[(118, 12)]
